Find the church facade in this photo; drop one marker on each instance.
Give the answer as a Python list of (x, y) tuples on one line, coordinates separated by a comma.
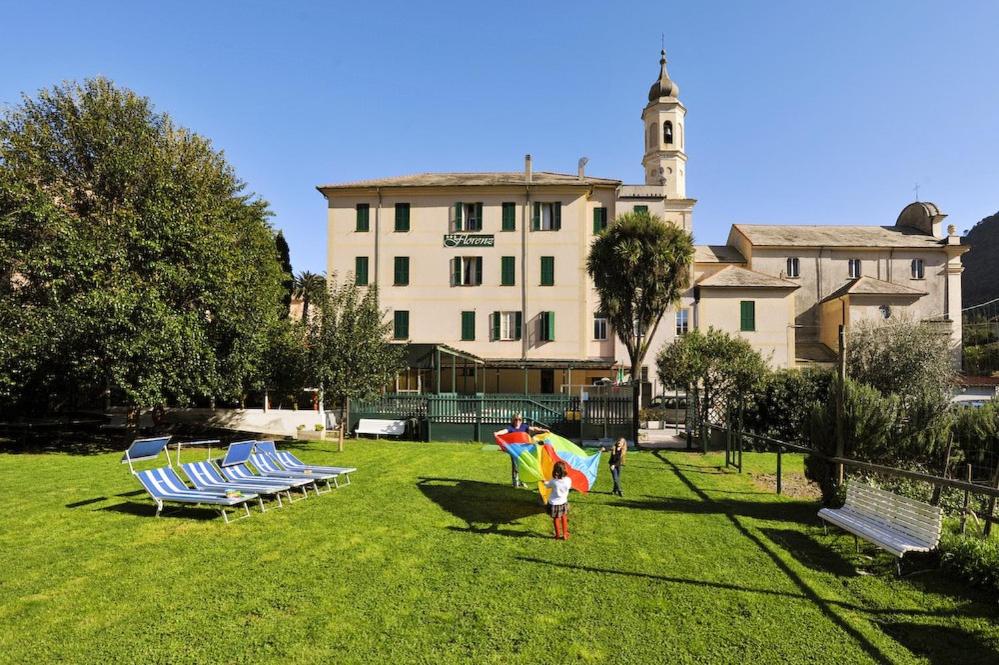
[(484, 274)]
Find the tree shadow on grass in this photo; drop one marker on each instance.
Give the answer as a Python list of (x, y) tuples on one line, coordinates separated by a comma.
[(942, 644), (784, 511), (484, 507), (810, 553), (149, 510)]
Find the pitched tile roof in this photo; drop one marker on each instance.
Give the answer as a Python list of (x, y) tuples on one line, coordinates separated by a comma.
[(717, 254), (870, 286), (474, 179), (736, 277), (773, 235)]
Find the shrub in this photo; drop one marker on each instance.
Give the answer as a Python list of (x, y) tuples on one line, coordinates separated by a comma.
[(785, 401), (973, 559)]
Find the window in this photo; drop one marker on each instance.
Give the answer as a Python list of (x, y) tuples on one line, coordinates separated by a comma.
[(547, 271), (400, 324), (509, 217), (505, 326), (401, 271), (547, 216), (642, 210), (508, 270), (466, 271), (546, 324), (599, 327), (361, 271), (645, 374), (599, 219), (401, 217), (467, 326), (682, 321), (747, 316), (466, 217), (918, 269), (668, 133), (793, 266), (363, 210), (854, 267)]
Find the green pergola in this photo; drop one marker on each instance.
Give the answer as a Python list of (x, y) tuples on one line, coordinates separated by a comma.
[(433, 358)]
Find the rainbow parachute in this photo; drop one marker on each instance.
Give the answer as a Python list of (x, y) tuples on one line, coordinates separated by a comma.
[(536, 456)]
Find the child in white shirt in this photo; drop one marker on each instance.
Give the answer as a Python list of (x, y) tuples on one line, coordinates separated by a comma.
[(558, 501)]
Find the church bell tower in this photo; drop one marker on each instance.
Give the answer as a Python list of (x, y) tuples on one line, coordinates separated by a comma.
[(665, 161)]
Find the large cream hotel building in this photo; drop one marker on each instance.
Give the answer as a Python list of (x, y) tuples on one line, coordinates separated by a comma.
[(485, 273)]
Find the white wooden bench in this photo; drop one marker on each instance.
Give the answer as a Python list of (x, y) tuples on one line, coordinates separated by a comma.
[(892, 522), (380, 427)]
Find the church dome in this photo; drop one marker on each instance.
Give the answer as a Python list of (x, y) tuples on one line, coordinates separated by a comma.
[(663, 87)]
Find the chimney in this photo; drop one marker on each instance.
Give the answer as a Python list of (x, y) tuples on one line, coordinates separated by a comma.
[(582, 167), (527, 168)]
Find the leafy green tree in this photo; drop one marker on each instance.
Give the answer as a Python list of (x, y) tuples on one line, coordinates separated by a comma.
[(288, 283), (133, 259), (640, 265), (782, 407), (722, 367), (347, 353)]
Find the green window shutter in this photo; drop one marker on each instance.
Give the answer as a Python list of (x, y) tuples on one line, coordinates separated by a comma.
[(557, 216), (518, 324), (494, 326), (548, 326), (401, 270), (361, 271), (478, 270), (456, 271), (547, 271), (536, 217), (363, 210), (457, 216), (509, 217), (642, 209), (508, 270), (401, 217), (478, 216), (400, 324), (467, 326), (599, 220), (747, 316)]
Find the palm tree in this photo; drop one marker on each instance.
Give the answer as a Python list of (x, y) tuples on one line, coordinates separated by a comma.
[(308, 285), (640, 265)]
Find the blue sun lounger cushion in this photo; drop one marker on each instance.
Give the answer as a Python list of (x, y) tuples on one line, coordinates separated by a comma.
[(165, 486), (267, 466), (206, 477)]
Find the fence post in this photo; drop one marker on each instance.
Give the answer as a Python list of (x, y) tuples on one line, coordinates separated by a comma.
[(478, 418), (992, 504), (780, 449), (938, 489), (738, 442), (967, 499)]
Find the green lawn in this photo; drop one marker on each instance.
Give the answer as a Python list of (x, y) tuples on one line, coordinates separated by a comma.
[(429, 556)]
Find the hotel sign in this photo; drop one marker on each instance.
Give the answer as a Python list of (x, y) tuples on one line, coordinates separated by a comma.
[(469, 240)]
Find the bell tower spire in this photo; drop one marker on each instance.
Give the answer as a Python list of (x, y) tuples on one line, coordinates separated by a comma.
[(665, 161)]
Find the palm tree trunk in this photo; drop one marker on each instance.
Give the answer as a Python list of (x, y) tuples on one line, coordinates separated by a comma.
[(636, 397)]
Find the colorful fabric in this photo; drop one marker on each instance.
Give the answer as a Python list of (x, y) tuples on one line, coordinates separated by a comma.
[(536, 457)]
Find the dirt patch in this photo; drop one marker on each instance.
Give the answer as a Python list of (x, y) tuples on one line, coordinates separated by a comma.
[(793, 485)]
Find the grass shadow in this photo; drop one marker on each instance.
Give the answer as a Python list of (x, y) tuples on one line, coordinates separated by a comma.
[(149, 510), (783, 511), (810, 552), (484, 507), (941, 645), (86, 502)]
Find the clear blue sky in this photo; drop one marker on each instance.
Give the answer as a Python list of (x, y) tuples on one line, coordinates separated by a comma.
[(798, 112)]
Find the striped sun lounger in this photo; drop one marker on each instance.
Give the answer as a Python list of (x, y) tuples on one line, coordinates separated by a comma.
[(165, 486), (207, 478), (242, 474), (292, 463), (269, 467)]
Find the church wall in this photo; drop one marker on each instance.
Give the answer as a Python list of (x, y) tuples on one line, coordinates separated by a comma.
[(773, 337)]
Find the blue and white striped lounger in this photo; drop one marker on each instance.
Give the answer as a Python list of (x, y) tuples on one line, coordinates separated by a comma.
[(241, 473), (292, 463), (164, 486), (269, 467), (206, 477)]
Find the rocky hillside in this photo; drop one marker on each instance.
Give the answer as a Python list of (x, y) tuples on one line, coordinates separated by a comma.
[(980, 281)]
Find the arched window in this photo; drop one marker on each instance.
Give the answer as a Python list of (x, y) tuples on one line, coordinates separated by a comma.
[(653, 135), (668, 132)]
